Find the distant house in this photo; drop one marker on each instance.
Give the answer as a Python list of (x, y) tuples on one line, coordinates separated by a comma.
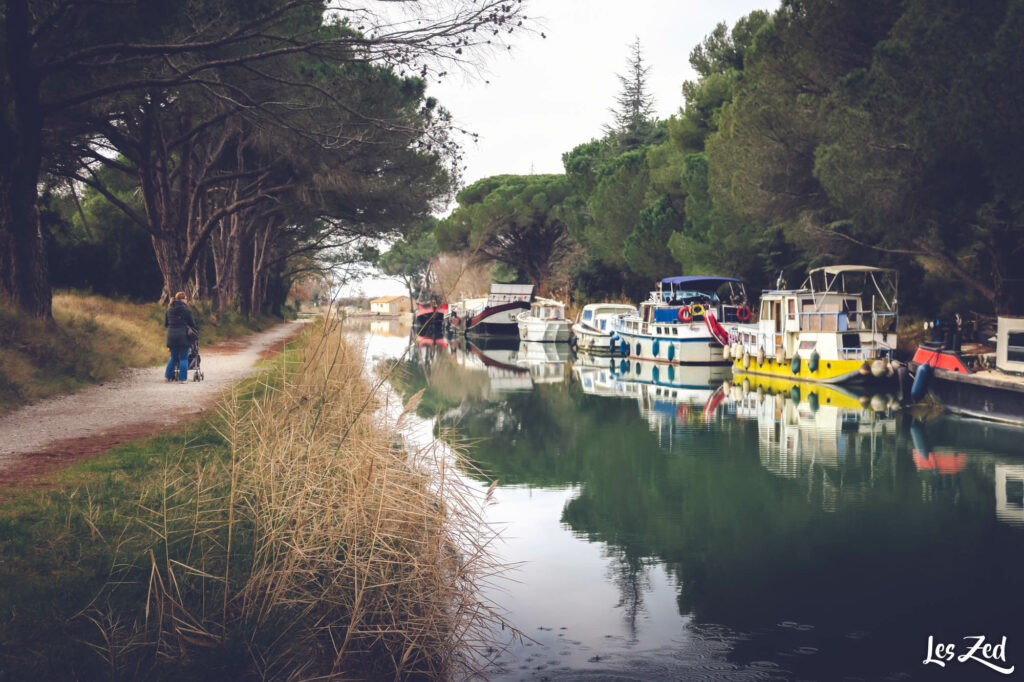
[(390, 305)]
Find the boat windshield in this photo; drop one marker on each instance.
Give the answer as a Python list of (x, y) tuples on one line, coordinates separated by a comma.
[(706, 290)]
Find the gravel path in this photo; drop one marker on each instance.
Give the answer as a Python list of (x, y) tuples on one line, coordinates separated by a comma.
[(44, 435)]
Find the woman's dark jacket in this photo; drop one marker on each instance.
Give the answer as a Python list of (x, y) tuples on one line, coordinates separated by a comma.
[(178, 319)]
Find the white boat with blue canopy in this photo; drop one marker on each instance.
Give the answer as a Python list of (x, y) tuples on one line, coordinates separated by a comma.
[(682, 321)]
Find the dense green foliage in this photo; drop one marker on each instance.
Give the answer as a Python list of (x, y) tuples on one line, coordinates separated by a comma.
[(879, 132), (512, 219), (249, 143)]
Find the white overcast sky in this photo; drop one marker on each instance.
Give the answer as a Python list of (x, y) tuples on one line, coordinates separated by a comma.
[(547, 95)]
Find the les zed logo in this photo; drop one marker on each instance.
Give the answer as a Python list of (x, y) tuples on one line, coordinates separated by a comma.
[(980, 651)]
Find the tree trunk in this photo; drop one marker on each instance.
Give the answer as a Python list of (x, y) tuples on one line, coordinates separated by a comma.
[(23, 272)]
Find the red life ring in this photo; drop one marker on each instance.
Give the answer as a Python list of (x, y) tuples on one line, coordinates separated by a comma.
[(684, 314), (743, 313)]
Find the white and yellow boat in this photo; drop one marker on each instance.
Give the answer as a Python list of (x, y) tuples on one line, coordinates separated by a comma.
[(839, 327)]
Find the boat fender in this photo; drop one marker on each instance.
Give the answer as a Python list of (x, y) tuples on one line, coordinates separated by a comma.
[(760, 357), (920, 386), (725, 352), (655, 348), (780, 357), (878, 403), (795, 365), (671, 370), (865, 369), (812, 362), (671, 352), (812, 401), (794, 393), (654, 374), (638, 348), (878, 368), (637, 368), (697, 309), (623, 347), (684, 314), (623, 366), (746, 360), (903, 378), (743, 313)]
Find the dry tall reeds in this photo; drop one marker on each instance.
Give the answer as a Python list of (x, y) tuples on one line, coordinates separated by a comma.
[(322, 548)]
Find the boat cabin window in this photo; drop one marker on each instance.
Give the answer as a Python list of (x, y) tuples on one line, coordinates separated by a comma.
[(1015, 347), (588, 314), (808, 345), (766, 310), (603, 323)]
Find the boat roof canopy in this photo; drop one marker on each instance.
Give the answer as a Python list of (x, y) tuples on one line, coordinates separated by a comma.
[(699, 282), (841, 269)]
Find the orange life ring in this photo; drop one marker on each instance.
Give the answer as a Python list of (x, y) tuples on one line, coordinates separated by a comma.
[(684, 314), (743, 313)]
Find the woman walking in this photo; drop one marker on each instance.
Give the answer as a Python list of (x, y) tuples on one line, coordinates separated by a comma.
[(178, 320)]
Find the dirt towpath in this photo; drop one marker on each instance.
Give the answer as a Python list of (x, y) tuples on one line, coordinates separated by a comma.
[(47, 435)]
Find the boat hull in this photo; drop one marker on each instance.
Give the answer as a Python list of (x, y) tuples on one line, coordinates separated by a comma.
[(593, 342), (980, 395), (492, 321), (687, 348), (828, 372), (544, 331)]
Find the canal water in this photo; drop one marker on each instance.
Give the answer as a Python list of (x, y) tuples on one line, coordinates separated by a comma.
[(673, 523)]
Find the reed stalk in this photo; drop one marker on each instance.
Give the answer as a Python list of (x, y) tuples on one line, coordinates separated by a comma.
[(315, 548)]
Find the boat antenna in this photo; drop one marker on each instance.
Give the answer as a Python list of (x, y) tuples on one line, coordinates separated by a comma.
[(780, 283)]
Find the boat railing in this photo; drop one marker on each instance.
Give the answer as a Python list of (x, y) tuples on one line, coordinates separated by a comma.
[(848, 321), (864, 353)]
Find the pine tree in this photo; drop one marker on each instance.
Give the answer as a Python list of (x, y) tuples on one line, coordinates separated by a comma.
[(633, 125)]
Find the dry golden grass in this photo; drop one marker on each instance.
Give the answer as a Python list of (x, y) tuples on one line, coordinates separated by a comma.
[(322, 546), (90, 340)]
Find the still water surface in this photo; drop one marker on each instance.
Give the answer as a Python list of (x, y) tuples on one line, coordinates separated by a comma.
[(664, 528)]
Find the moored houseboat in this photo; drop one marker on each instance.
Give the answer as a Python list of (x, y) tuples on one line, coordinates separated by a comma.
[(494, 315), (545, 321), (593, 328), (973, 378), (840, 326), (682, 322), (430, 314)]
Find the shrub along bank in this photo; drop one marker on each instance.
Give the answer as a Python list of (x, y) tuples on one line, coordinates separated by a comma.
[(287, 537), (89, 341)]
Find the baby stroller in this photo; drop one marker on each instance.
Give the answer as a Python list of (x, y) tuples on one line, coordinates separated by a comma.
[(195, 360)]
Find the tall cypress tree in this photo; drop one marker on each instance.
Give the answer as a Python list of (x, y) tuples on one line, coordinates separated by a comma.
[(633, 126)]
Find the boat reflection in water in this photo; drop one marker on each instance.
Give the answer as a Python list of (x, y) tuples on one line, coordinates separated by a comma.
[(546, 362), (673, 399), (944, 447), (834, 438)]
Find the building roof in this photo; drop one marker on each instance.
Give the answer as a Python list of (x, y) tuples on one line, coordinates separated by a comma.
[(390, 299)]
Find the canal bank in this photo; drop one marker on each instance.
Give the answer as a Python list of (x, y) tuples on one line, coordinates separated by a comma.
[(287, 537)]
